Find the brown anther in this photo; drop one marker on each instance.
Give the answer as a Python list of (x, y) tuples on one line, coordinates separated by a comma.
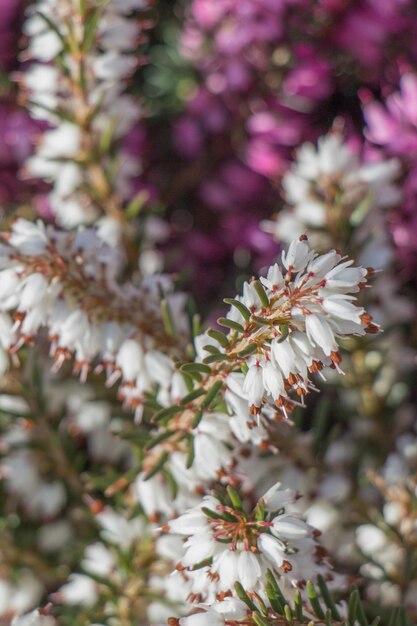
[(372, 329), (194, 598), (255, 410), (292, 379), (335, 357), (303, 237), (165, 528), (173, 621), (118, 485), (18, 316), (45, 610), (320, 553), (286, 567), (222, 595), (180, 567), (315, 367), (366, 318), (95, 506), (316, 533)]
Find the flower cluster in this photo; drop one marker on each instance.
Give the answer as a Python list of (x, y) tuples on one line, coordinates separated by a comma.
[(76, 82), (327, 189), (68, 283), (141, 446), (225, 545), (291, 322)]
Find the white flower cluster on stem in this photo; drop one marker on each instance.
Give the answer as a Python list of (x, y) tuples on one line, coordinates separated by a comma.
[(331, 195), (68, 284), (281, 330), (83, 55), (225, 545)]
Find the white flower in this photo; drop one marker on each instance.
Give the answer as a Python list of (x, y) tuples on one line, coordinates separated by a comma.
[(276, 498), (130, 359), (287, 526), (28, 238), (119, 530), (272, 549), (274, 279), (240, 547), (112, 66), (272, 380), (253, 385), (32, 291), (320, 333), (79, 589), (33, 619), (297, 256), (206, 618)]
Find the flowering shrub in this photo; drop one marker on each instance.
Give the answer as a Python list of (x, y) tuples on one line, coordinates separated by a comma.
[(255, 468)]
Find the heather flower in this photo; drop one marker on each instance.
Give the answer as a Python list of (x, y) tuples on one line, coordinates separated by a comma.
[(239, 547), (324, 188)]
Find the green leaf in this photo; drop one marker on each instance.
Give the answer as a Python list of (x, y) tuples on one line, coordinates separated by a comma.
[(106, 138), (172, 483), (216, 358), (197, 419), (211, 394), (250, 349), (54, 28), (91, 29), (167, 412), (158, 439), (288, 614), (259, 620), (284, 332), (313, 599), (199, 368), (274, 593), (359, 612), (399, 617), (218, 336), (242, 595), (328, 618), (212, 349), (136, 204), (259, 288), (158, 466), (167, 318), (191, 453), (260, 320), (298, 606), (352, 605), (193, 395), (243, 310), (234, 498), (223, 321), (196, 325), (328, 598)]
